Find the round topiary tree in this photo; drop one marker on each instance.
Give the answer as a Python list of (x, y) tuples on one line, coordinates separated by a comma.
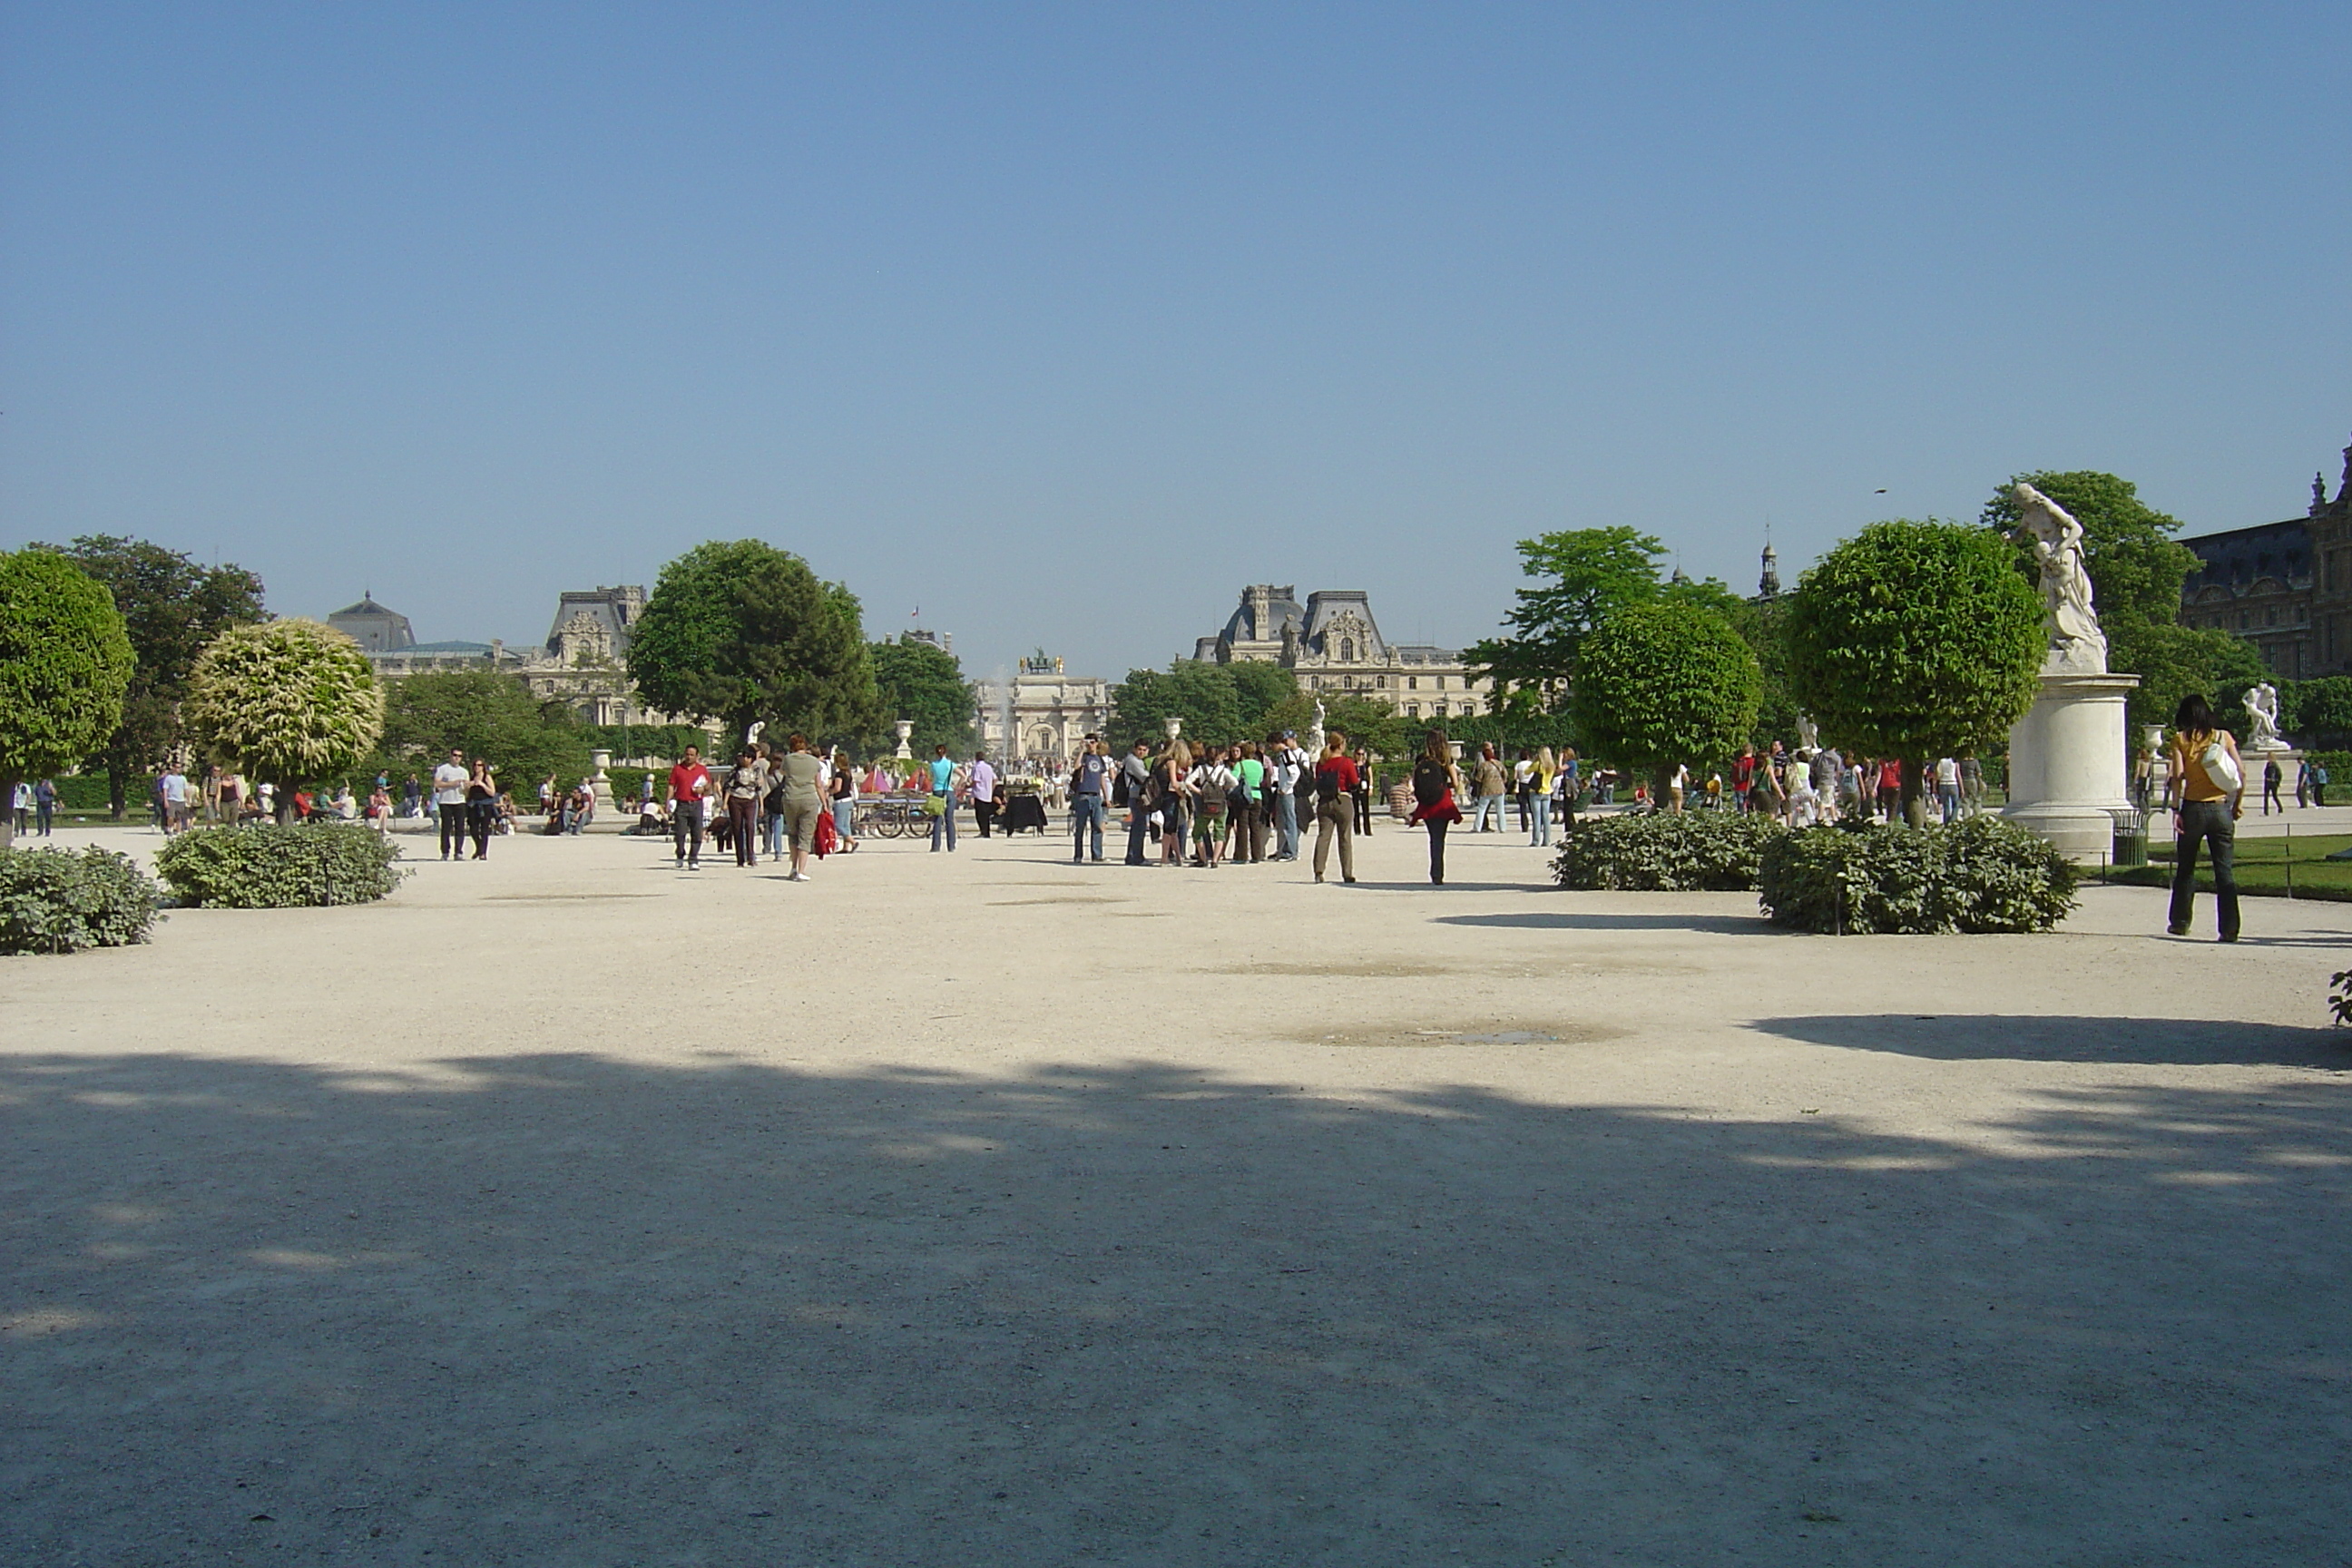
[(1663, 683), (285, 700), (1916, 640), (65, 664)]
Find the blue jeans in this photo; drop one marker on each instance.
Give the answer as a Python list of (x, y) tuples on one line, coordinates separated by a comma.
[(1138, 833), (1950, 801), (943, 823), (774, 822), (845, 820), (1086, 810), (1286, 817), (1543, 819), (1488, 805)]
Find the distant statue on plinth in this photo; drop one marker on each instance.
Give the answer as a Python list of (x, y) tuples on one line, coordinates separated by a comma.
[(2077, 645), (2262, 712), (1315, 732), (1808, 735)]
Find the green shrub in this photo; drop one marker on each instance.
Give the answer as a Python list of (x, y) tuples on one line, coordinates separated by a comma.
[(61, 900), (1665, 852), (1982, 874), (267, 866)]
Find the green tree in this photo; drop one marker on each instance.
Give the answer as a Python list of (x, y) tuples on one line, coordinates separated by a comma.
[(2317, 713), (1914, 640), (66, 663), (1203, 695), (1664, 683), (740, 631), (926, 684), (484, 714), (1586, 575), (2137, 569), (1259, 688), (170, 605), (288, 703)]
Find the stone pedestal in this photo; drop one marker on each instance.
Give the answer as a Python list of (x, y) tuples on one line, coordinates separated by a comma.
[(599, 785), (2068, 767)]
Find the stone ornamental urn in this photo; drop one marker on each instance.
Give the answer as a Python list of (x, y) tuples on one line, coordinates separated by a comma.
[(599, 785), (906, 728)]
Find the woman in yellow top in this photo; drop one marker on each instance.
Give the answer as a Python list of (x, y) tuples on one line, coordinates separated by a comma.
[(2205, 811), (1547, 773)]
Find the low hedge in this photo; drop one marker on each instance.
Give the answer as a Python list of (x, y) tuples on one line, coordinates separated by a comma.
[(1982, 874), (1665, 852), (268, 866), (62, 900)]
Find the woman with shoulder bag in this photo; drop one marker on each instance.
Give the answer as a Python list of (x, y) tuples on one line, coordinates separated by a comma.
[(1436, 785), (2207, 795)]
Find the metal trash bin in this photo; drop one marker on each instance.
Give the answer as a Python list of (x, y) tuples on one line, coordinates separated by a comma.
[(2131, 838)]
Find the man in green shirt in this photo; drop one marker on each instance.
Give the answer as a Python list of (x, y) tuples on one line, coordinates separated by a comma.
[(1249, 814)]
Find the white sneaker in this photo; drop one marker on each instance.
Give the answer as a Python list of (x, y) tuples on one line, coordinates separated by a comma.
[(797, 877)]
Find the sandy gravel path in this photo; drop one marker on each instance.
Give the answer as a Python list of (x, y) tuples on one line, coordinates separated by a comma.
[(987, 1209)]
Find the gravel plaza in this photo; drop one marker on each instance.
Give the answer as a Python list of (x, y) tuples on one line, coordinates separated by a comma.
[(986, 1208)]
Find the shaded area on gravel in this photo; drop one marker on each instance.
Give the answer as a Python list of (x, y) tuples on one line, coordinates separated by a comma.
[(568, 1309)]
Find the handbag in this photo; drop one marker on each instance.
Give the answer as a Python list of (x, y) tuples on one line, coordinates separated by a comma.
[(935, 806), (2221, 767)]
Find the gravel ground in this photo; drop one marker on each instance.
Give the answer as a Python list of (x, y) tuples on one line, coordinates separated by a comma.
[(565, 1209)]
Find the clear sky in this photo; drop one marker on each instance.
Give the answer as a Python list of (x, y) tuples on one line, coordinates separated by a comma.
[(1065, 321)]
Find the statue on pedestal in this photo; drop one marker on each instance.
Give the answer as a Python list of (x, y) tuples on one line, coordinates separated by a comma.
[(2261, 712), (1315, 732), (2077, 645)]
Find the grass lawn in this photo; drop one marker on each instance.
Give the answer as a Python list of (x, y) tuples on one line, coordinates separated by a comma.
[(2262, 867)]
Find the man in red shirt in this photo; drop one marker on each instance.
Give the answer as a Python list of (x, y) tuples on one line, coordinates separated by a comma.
[(1335, 810), (689, 787)]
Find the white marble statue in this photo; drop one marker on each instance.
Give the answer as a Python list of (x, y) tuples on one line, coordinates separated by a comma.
[(2262, 710), (2077, 645), (1808, 735), (1315, 732)]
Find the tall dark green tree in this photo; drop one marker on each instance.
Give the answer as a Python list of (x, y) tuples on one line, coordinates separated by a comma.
[(1584, 574), (65, 664), (1914, 640), (484, 714), (741, 632), (1219, 703), (2137, 568), (172, 606), (926, 684), (1661, 684)]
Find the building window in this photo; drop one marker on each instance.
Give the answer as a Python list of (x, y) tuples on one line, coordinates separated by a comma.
[(2269, 616), (1412, 709), (1347, 650), (2245, 619), (1412, 683), (1441, 709)]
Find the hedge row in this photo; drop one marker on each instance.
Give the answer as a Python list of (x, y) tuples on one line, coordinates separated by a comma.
[(267, 866), (62, 900), (1663, 852)]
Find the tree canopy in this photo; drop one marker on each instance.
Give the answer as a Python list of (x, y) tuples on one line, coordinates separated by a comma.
[(1219, 703), (926, 684), (1914, 640), (66, 662), (738, 632), (1664, 683), (1585, 574), (172, 606), (288, 701), (2137, 569), (487, 714)]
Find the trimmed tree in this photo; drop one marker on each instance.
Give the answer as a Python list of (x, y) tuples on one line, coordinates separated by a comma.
[(926, 684), (1664, 683), (65, 664), (172, 606), (1914, 640), (741, 632), (286, 702), (485, 713)]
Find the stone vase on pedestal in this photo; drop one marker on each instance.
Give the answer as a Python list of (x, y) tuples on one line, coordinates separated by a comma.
[(600, 786), (2068, 773)]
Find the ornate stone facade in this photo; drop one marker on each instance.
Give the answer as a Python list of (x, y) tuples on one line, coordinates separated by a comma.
[(1040, 718), (1333, 644), (2287, 588), (583, 663)]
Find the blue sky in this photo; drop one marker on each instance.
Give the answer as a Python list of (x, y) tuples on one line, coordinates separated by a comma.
[(1062, 323)]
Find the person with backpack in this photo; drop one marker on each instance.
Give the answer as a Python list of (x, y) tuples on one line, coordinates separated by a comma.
[(1335, 808), (1133, 791), (1289, 775), (1213, 786), (1436, 785), (1249, 805), (1089, 783), (2207, 793)]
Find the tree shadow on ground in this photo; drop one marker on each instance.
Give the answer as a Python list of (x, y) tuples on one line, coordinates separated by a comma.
[(572, 1309), (2035, 1037), (1596, 919)]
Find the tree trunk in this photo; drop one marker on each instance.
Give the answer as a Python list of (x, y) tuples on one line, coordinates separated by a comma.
[(1915, 800), (8, 783), (118, 792), (1661, 789)]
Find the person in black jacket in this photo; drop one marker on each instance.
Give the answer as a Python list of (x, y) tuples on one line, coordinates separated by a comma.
[(1436, 784)]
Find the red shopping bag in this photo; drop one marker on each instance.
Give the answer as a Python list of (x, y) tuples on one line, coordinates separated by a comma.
[(826, 839)]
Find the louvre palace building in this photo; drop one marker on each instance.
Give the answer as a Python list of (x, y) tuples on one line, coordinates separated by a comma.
[(2287, 588), (1333, 645)]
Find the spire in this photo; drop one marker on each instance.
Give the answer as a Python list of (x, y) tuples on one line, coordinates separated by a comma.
[(2318, 494), (1767, 586)]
